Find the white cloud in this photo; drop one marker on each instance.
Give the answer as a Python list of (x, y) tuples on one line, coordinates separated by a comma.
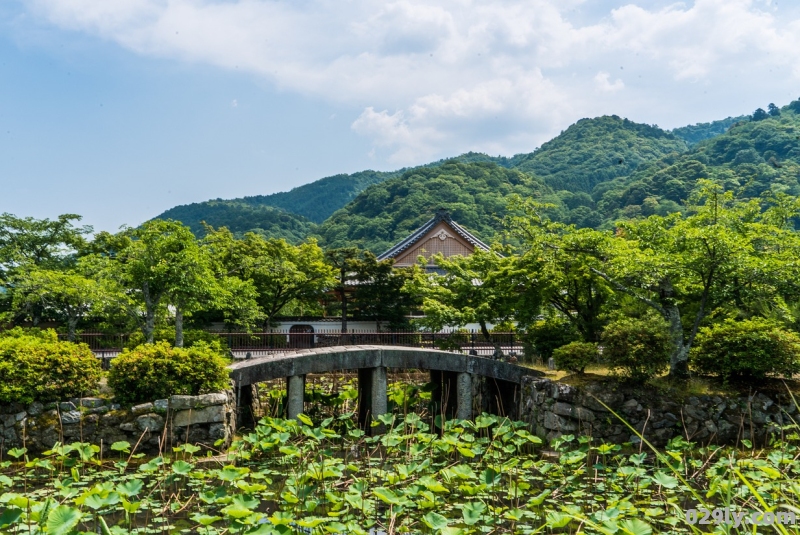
[(603, 82), (492, 75)]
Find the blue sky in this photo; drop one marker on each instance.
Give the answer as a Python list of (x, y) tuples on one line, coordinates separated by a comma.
[(118, 110)]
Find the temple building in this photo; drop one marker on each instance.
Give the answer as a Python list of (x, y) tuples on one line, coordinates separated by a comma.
[(439, 235)]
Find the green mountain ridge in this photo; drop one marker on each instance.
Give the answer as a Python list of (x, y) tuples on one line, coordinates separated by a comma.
[(594, 173), (694, 134), (241, 217), (317, 200), (475, 194)]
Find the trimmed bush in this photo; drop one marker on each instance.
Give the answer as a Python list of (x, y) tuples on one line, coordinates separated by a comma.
[(746, 349), (544, 336), (35, 366), (637, 348), (575, 356), (157, 371)]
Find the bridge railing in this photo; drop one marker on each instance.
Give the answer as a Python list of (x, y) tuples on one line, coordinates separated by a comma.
[(258, 343), (289, 341)]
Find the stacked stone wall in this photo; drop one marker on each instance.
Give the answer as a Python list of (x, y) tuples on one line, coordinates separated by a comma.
[(553, 409), (155, 426)]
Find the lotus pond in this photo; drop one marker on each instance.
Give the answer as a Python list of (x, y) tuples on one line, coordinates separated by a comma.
[(326, 476)]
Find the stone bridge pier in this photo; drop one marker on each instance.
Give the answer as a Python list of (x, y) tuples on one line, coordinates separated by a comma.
[(463, 384)]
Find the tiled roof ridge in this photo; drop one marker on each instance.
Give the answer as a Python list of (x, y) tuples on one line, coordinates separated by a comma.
[(414, 237)]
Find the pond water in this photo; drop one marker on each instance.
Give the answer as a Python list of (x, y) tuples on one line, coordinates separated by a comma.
[(323, 475)]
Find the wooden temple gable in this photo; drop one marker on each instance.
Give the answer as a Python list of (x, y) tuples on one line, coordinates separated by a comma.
[(438, 235)]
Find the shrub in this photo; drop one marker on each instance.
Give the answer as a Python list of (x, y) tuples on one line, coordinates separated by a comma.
[(546, 335), (746, 349), (157, 371), (637, 348), (35, 366), (575, 356)]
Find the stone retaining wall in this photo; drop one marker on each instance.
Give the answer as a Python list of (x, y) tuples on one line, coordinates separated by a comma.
[(161, 424), (553, 409)]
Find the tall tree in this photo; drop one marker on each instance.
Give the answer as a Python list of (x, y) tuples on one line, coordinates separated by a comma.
[(158, 262), (28, 243), (346, 262), (379, 294), (563, 269), (280, 273), (482, 288), (42, 243), (68, 295)]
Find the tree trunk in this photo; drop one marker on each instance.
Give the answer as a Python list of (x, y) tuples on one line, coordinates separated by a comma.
[(679, 359), (344, 311), (498, 351), (345, 337), (178, 326), (72, 324), (149, 325), (150, 315), (343, 295)]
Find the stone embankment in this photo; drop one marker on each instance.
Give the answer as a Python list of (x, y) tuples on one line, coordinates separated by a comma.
[(553, 409), (155, 426)]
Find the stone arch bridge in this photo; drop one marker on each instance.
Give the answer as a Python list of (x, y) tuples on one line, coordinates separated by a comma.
[(464, 384)]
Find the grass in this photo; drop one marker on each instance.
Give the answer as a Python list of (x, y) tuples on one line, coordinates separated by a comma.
[(696, 385)]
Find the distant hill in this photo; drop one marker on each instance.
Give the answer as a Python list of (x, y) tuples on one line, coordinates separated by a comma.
[(750, 157), (241, 217), (694, 134), (594, 173), (597, 150), (475, 194), (317, 200)]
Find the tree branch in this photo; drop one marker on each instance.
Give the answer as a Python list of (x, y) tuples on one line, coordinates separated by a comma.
[(629, 291)]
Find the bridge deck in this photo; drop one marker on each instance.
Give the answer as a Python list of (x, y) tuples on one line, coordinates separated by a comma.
[(328, 359)]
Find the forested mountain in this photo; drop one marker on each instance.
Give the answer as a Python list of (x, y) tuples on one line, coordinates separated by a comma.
[(475, 187), (241, 217), (751, 157), (475, 194), (317, 200), (594, 173), (597, 150), (288, 214)]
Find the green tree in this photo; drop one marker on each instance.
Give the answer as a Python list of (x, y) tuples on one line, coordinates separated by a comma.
[(684, 267), (28, 243), (483, 288), (562, 257), (759, 115), (195, 289), (41, 243), (279, 273), (68, 295), (159, 261), (379, 294), (348, 264)]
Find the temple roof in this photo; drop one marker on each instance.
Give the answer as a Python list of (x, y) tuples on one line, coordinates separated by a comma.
[(441, 216)]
